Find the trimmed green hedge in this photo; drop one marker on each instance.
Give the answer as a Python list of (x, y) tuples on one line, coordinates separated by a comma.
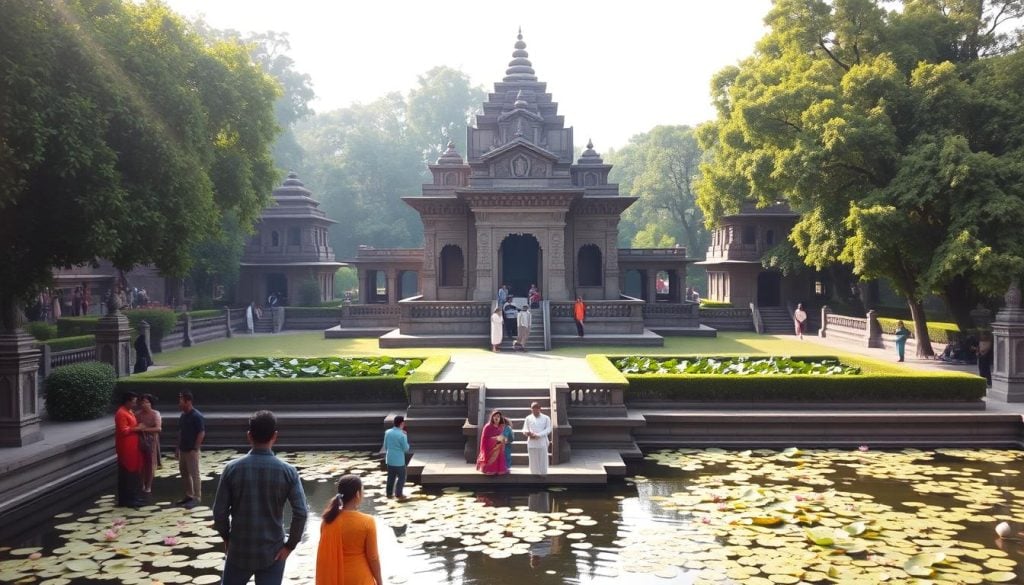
[(65, 343), (879, 382), (605, 369), (80, 391), (72, 326), (161, 321), (41, 330), (938, 331), (165, 385), (715, 305)]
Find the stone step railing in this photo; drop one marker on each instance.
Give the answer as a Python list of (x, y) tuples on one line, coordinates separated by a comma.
[(728, 319), (613, 316), (865, 331), (419, 317)]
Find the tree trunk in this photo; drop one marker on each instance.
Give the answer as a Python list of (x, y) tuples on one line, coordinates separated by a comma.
[(9, 313), (924, 343), (961, 298)]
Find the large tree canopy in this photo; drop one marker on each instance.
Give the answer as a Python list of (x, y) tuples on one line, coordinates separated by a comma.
[(896, 134), (123, 135)]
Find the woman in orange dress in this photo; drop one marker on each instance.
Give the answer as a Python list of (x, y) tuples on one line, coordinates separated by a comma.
[(491, 458), (129, 456), (347, 554)]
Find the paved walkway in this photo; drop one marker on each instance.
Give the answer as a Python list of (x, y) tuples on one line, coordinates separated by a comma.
[(516, 369)]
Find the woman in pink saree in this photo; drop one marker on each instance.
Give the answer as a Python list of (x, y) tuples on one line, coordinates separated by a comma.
[(491, 459)]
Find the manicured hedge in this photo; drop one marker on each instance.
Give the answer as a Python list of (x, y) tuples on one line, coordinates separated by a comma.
[(605, 369), (336, 392), (879, 382), (41, 330), (65, 343), (937, 331), (80, 391), (715, 305), (72, 326), (161, 321)]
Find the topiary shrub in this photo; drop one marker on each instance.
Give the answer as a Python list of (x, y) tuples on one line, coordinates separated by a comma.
[(309, 293), (160, 320), (65, 343), (80, 391), (41, 330), (72, 326)]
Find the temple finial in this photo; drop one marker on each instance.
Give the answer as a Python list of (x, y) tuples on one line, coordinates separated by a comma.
[(520, 68)]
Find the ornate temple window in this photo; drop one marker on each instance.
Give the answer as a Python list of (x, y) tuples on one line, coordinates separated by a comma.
[(452, 266), (294, 236), (275, 239), (588, 265), (749, 235)]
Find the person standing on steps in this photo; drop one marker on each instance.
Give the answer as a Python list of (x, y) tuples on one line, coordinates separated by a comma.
[(579, 313), (396, 445), (799, 320), (902, 334), (496, 326), (523, 321), (537, 427), (511, 312), (502, 295)]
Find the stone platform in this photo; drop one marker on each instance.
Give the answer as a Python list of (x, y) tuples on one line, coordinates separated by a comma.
[(395, 338), (339, 332), (448, 468), (699, 331)]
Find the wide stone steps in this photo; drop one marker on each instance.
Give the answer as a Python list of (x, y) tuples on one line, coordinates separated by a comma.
[(536, 340), (776, 320), (514, 404)]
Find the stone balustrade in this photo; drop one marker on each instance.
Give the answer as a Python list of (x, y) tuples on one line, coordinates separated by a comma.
[(613, 316), (420, 317), (728, 319)]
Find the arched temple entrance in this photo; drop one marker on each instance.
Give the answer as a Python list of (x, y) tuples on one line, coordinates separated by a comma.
[(769, 289), (520, 263)]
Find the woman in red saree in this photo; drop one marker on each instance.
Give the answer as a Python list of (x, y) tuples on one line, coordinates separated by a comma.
[(491, 459), (129, 456)]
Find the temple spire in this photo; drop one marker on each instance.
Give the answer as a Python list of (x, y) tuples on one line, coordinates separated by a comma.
[(520, 68)]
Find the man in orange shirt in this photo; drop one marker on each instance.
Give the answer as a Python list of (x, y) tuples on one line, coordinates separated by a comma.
[(129, 455), (579, 312)]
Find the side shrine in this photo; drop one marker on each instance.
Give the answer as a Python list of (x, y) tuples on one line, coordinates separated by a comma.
[(518, 211)]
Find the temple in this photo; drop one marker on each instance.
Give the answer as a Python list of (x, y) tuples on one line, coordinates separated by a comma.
[(519, 211)]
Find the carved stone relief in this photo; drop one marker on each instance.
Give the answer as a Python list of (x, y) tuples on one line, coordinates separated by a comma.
[(483, 246)]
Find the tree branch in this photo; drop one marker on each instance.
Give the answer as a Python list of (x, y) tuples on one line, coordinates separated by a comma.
[(821, 43)]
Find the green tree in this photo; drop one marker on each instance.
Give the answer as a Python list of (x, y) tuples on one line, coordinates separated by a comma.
[(439, 110), (124, 136), (896, 136)]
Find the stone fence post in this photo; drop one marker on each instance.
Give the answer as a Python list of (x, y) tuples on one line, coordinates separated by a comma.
[(113, 340), (227, 321), (825, 312), (186, 332), (19, 390), (873, 337), (1008, 347), (144, 331), (46, 361)]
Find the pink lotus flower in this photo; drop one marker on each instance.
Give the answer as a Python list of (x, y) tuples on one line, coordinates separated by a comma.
[(110, 535), (119, 522), (862, 448), (35, 555), (170, 540)]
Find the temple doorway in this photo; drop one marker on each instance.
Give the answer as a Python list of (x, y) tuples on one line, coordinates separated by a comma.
[(769, 289), (520, 262), (277, 284)]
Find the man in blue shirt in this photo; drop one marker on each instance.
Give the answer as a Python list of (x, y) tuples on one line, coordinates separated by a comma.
[(191, 432), (249, 509), (396, 445)]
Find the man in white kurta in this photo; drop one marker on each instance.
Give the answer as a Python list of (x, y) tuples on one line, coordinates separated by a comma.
[(537, 427)]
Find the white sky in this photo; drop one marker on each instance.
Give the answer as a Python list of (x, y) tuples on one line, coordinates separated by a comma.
[(615, 68)]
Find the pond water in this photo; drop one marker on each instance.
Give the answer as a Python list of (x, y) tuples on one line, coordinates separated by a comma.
[(682, 516)]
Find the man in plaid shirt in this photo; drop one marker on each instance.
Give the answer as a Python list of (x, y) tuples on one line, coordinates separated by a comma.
[(249, 508)]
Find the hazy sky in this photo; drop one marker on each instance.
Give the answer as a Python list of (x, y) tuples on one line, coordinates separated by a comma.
[(615, 68)]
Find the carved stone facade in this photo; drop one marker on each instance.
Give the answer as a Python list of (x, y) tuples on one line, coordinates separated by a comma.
[(290, 247), (518, 210)]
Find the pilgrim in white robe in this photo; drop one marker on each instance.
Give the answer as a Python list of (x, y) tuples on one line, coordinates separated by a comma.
[(537, 444)]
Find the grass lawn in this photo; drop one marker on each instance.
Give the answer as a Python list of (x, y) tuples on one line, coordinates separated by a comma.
[(313, 344)]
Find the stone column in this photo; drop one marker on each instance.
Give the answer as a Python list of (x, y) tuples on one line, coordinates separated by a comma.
[(113, 340), (428, 272), (186, 334), (825, 312), (554, 269), (651, 276), (19, 391), (485, 288), (873, 335), (393, 292), (612, 284), (1008, 367)]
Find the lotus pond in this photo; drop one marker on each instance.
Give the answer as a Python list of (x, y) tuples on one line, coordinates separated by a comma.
[(332, 367), (682, 516), (735, 365)]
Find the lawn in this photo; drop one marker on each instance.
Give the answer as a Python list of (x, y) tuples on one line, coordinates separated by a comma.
[(313, 344)]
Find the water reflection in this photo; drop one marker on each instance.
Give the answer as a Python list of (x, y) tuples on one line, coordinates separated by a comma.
[(599, 536)]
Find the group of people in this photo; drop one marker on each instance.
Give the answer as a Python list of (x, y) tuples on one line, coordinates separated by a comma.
[(497, 436), (508, 320)]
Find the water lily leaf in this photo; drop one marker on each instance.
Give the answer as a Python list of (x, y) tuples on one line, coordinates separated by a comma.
[(920, 565), (855, 529), (821, 535)]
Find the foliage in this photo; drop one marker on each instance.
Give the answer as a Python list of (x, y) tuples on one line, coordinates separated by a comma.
[(429, 370), (80, 391), (333, 367), (160, 320), (309, 293), (439, 110), (714, 305), (346, 279), (126, 137), (937, 331), (70, 326), (736, 366), (41, 330), (75, 342), (896, 134), (605, 369)]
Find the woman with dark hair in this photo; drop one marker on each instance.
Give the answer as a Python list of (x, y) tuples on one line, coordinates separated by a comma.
[(129, 456), (347, 554), (491, 458), (509, 435), (149, 441)]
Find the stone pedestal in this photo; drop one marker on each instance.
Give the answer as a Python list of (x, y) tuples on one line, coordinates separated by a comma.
[(1008, 333), (113, 342), (19, 393)]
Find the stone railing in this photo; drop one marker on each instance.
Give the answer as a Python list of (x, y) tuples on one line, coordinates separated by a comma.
[(728, 319), (586, 395), (613, 316), (49, 361), (411, 253), (561, 452), (444, 317), (671, 314), (208, 328), (371, 310), (644, 252), (311, 317), (860, 330), (438, 394)]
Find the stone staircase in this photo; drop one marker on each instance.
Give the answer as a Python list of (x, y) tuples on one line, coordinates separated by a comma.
[(776, 320), (264, 324), (536, 340), (515, 403)]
